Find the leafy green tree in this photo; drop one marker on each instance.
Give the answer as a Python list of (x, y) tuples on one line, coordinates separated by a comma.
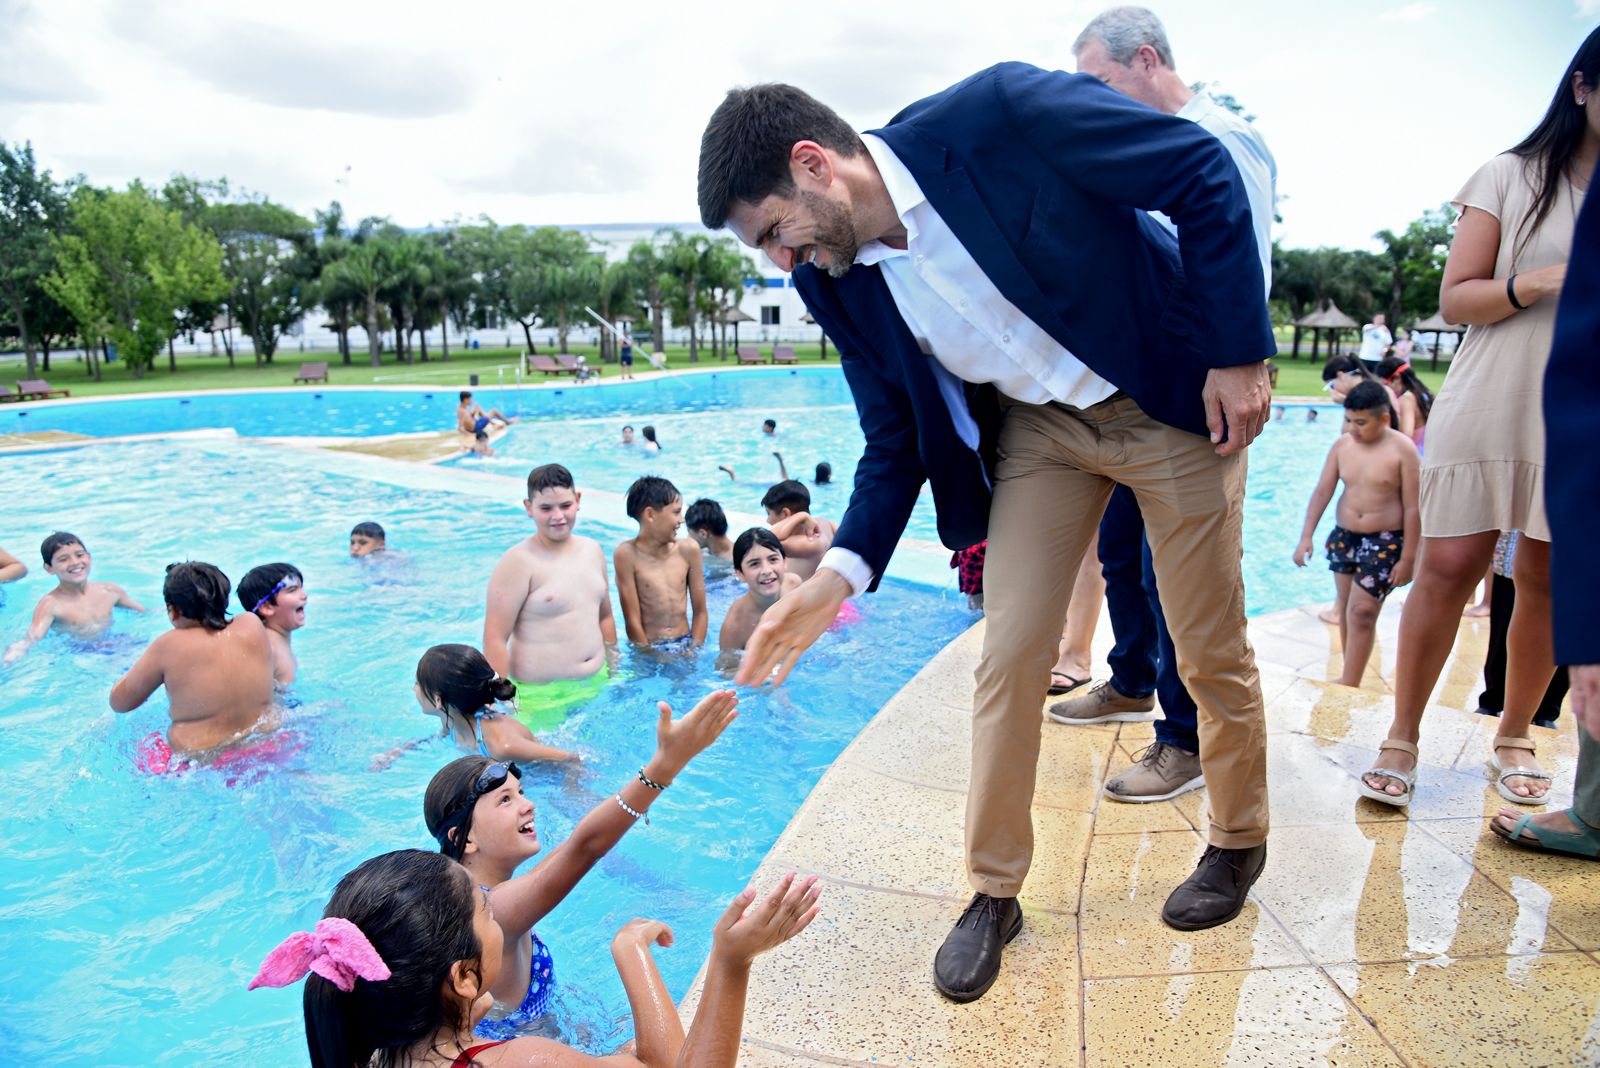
[(687, 258), (616, 294), (650, 269), (33, 210), (269, 257), (360, 276), (1414, 262), (127, 265), (341, 300), (453, 289), (727, 267)]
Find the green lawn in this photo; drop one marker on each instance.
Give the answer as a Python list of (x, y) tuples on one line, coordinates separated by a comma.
[(1295, 377)]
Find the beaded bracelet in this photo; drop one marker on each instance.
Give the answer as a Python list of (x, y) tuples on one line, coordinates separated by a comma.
[(651, 782), (635, 813)]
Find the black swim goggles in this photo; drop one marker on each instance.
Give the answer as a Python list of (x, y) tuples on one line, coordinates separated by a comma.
[(491, 778)]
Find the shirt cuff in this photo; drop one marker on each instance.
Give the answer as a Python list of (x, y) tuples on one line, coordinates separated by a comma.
[(850, 565)]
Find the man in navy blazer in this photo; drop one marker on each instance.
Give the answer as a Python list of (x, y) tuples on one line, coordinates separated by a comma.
[(1572, 474), (1020, 334)]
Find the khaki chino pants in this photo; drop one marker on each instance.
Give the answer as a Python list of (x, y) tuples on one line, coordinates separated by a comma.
[(1056, 469)]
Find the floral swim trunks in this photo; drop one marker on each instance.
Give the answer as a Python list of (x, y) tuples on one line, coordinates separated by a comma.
[(1370, 557)]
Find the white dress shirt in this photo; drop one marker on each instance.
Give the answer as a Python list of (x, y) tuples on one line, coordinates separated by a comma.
[(963, 322)]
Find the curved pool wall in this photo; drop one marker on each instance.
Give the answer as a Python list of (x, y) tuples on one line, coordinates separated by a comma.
[(153, 899)]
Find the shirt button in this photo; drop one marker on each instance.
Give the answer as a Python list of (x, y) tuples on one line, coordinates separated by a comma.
[(962, 302), (921, 259), (1006, 338)]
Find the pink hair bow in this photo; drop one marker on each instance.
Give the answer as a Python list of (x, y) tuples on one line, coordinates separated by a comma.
[(335, 949)]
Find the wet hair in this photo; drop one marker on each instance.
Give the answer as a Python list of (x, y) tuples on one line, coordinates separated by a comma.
[(744, 152), (1397, 371), (258, 582), (706, 514), (56, 542), (447, 791), (466, 393), (1371, 397), (627, 426), (649, 434), (548, 476), (482, 435), (769, 424), (651, 491), (1338, 365), (1122, 30), (417, 910), (750, 539), (1547, 152), (460, 681), (824, 474), (199, 591), (368, 529), (790, 493)]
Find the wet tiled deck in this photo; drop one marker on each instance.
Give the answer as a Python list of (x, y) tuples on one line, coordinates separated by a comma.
[(1375, 936)]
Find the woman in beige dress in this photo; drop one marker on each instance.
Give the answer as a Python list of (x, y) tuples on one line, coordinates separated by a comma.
[(1483, 471)]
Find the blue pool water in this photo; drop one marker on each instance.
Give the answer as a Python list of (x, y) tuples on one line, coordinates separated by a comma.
[(134, 909)]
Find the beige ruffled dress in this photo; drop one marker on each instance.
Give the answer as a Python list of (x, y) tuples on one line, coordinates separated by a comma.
[(1483, 465)]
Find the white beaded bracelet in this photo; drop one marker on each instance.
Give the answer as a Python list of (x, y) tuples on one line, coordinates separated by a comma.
[(635, 813)]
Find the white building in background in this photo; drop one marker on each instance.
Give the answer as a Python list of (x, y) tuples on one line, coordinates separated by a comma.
[(770, 300)]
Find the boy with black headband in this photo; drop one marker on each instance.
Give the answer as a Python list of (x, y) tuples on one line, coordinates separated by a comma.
[(276, 593)]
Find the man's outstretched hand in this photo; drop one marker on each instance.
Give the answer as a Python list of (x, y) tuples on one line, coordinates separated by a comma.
[(789, 627), (1238, 399)]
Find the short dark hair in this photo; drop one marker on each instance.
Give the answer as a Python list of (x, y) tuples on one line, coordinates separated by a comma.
[(744, 152), (750, 539), (548, 476), (706, 514), (1369, 397), (824, 473), (627, 426), (56, 542), (199, 591), (466, 393), (791, 494), (773, 423), (651, 491), (368, 529), (258, 582)]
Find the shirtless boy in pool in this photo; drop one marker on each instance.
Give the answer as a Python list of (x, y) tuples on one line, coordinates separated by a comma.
[(657, 571), (218, 672), (77, 606), (547, 625)]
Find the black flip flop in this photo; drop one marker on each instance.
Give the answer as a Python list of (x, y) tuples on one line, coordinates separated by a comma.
[(1056, 691)]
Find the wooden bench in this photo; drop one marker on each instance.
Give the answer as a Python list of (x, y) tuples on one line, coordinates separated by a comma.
[(546, 366), (750, 354), (784, 354), (312, 372), (569, 363), (35, 389)]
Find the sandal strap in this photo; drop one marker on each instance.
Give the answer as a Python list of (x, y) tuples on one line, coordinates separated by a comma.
[(1523, 773), (1504, 742), (1406, 747), (1398, 776)]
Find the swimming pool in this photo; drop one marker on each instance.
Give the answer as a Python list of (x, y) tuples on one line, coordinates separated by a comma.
[(704, 420), (133, 909)]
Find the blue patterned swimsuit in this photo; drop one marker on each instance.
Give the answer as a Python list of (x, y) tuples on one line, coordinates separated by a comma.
[(541, 988)]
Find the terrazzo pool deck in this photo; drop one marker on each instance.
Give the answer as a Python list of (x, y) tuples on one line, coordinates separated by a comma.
[(1376, 936)]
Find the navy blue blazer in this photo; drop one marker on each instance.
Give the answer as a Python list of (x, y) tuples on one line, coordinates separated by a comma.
[(1572, 448), (1045, 178)]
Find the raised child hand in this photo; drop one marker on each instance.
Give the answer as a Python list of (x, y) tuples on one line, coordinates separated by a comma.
[(679, 741), (741, 936), (642, 934)]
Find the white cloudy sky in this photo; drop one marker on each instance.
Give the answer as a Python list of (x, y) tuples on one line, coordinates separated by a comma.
[(572, 112)]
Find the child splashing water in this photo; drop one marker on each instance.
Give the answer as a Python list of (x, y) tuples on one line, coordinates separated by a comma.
[(456, 683), (409, 949), (476, 810)]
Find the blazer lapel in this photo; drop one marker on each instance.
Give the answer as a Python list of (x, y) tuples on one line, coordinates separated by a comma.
[(950, 191)]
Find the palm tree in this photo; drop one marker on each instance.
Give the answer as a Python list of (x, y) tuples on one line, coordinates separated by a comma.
[(362, 273)]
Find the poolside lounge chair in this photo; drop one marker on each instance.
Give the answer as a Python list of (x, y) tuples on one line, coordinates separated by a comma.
[(312, 372), (569, 363), (784, 354), (546, 365), (35, 389), (750, 354)]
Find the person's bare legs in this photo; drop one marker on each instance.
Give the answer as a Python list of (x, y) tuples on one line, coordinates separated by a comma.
[(1530, 659), (1481, 609), (1358, 632), (1074, 659), (1448, 570), (1342, 581)]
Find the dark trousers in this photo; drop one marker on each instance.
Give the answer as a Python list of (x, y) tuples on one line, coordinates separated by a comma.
[(1143, 660), (1493, 699)]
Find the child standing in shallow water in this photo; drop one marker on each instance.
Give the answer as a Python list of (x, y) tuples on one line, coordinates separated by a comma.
[(456, 683), (657, 571), (77, 606), (1373, 548)]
